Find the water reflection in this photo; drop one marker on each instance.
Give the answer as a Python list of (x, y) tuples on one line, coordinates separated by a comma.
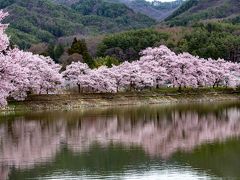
[(34, 139)]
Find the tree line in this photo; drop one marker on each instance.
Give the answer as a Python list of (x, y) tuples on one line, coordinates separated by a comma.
[(23, 73)]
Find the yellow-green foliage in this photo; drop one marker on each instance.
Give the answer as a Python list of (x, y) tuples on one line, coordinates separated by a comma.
[(106, 61)]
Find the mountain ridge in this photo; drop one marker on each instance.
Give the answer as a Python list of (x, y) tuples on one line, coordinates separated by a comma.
[(35, 21), (194, 11), (156, 9)]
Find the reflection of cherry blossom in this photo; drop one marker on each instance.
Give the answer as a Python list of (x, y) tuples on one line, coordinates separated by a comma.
[(4, 171), (158, 138), (25, 143)]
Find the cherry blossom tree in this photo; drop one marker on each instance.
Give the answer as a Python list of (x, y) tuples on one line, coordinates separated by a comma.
[(186, 70), (4, 41), (104, 80), (22, 73), (157, 67), (43, 73), (11, 79), (77, 73)]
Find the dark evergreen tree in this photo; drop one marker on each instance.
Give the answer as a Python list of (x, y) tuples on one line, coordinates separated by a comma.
[(80, 47)]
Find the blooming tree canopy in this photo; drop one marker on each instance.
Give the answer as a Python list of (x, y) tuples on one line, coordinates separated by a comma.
[(22, 73), (4, 41), (157, 67)]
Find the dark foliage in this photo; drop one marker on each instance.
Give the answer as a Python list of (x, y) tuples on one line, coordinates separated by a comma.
[(80, 47), (34, 21), (127, 45), (197, 10)]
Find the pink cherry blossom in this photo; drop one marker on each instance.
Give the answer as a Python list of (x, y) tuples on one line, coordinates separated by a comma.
[(157, 67), (4, 41), (22, 73)]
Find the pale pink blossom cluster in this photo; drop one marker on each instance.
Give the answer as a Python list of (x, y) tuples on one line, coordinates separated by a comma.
[(22, 72), (156, 68), (4, 41)]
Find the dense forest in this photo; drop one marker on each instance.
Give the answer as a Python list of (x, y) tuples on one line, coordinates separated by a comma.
[(212, 39), (114, 32), (126, 46), (35, 21), (156, 9), (193, 11)]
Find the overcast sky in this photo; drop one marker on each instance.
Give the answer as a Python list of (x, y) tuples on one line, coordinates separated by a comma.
[(162, 0)]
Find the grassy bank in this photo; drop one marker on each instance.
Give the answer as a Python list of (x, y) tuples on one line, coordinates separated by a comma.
[(158, 96)]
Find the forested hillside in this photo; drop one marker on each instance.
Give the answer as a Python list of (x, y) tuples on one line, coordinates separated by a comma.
[(34, 21), (193, 11), (97, 26), (156, 9), (212, 39)]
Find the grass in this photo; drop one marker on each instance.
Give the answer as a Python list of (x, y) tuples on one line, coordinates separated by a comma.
[(153, 96), (147, 92)]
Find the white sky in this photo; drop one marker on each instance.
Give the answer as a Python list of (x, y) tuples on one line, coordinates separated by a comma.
[(163, 0)]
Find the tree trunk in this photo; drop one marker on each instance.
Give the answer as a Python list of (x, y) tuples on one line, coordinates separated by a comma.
[(79, 89), (180, 88)]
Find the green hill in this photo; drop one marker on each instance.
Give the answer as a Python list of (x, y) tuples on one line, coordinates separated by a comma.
[(35, 21), (156, 9), (196, 10)]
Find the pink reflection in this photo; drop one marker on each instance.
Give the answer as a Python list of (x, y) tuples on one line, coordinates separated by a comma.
[(25, 143), (158, 138)]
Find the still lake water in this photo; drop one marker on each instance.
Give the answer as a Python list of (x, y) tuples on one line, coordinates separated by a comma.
[(191, 141)]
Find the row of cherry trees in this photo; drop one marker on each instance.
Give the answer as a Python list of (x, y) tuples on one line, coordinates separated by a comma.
[(22, 72), (156, 68)]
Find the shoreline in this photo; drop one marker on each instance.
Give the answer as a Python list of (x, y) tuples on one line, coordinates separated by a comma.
[(82, 101)]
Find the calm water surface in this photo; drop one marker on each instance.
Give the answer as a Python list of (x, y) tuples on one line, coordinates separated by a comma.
[(197, 141)]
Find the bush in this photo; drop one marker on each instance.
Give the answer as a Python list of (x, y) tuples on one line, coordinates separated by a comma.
[(106, 61), (126, 46)]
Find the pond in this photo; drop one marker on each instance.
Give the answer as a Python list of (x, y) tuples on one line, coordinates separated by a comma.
[(181, 141)]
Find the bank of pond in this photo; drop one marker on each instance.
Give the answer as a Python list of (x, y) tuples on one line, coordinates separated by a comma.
[(74, 100)]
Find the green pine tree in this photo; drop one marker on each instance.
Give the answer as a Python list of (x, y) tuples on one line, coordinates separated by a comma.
[(80, 47)]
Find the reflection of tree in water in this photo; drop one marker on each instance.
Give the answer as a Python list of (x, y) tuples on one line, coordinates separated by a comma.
[(160, 132)]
